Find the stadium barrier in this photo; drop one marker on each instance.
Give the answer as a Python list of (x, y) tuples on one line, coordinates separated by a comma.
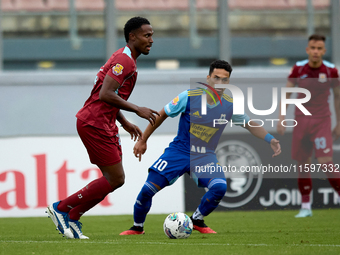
[(273, 187), (36, 171)]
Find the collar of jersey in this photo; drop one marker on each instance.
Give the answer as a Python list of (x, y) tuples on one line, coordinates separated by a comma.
[(210, 106)]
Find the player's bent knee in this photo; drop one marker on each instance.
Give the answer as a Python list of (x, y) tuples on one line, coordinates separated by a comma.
[(120, 181), (148, 190), (117, 182), (219, 189)]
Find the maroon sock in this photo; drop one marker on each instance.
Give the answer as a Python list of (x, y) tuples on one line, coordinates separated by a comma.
[(79, 210), (95, 190), (333, 177), (305, 186)]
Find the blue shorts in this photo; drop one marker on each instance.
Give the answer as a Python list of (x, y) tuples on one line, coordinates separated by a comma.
[(174, 163)]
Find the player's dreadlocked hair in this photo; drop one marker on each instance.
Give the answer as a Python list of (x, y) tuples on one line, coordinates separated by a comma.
[(220, 64), (133, 24)]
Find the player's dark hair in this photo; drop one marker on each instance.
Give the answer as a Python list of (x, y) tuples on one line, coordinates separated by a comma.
[(133, 24), (316, 37), (220, 64)]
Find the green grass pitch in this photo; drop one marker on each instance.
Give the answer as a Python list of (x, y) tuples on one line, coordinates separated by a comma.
[(239, 232)]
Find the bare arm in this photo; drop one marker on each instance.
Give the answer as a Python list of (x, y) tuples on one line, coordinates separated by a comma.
[(121, 118), (140, 146), (336, 130), (132, 129), (107, 94), (281, 129), (258, 131)]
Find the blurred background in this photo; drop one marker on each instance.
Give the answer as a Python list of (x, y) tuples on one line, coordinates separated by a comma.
[(73, 34), (51, 50), (58, 45)]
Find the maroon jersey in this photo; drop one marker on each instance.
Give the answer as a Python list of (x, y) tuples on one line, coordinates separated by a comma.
[(318, 81), (121, 66)]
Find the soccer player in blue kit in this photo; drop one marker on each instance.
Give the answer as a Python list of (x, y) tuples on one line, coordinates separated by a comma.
[(194, 146)]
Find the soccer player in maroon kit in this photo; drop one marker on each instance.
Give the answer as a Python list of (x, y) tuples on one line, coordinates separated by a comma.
[(314, 131), (96, 126)]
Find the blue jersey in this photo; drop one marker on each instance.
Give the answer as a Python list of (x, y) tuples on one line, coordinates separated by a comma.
[(199, 133)]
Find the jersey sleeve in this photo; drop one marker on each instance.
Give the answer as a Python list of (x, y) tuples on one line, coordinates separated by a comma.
[(292, 77), (240, 119), (177, 105), (121, 68), (335, 78)]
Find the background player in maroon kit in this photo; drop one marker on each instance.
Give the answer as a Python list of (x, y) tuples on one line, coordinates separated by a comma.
[(96, 125), (314, 131)]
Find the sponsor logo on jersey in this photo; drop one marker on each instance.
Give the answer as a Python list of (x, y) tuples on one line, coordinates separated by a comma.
[(202, 132), (195, 114), (198, 149), (117, 69), (175, 100), (304, 76), (322, 77)]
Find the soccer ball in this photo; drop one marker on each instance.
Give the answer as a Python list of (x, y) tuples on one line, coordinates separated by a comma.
[(177, 226)]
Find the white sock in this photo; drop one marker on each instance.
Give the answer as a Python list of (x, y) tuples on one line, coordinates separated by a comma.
[(197, 215), (306, 206), (138, 224)]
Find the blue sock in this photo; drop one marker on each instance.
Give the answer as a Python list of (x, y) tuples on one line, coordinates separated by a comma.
[(144, 198), (211, 199)]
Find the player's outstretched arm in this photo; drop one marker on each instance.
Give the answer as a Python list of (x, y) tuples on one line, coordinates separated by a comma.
[(281, 129), (141, 146), (132, 129), (258, 131), (107, 94)]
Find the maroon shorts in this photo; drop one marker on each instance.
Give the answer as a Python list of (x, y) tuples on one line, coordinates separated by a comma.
[(103, 149), (312, 134)]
